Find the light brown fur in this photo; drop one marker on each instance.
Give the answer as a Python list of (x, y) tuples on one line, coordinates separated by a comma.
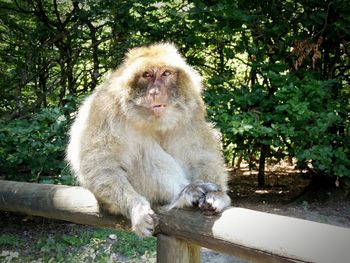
[(132, 160)]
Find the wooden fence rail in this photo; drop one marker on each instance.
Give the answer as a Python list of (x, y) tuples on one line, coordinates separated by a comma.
[(251, 235)]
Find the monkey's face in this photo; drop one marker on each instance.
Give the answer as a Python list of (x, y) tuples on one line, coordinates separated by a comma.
[(158, 88), (155, 90)]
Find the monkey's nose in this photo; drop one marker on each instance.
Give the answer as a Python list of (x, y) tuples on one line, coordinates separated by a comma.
[(154, 92)]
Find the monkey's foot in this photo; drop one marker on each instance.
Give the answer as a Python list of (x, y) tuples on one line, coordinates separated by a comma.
[(142, 220), (193, 194), (215, 201)]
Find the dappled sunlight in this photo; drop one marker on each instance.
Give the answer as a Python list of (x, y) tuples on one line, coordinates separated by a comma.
[(284, 236), (283, 182), (261, 192), (75, 198)]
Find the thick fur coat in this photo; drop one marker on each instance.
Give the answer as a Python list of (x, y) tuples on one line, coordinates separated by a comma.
[(131, 159)]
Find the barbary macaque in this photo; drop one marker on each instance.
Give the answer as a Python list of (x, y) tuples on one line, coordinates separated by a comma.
[(141, 140)]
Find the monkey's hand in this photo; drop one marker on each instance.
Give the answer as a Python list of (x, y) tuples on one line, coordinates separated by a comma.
[(143, 219), (215, 202), (193, 194)]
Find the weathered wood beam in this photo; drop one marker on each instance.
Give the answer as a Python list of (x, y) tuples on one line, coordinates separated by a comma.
[(260, 237), (69, 203), (253, 235)]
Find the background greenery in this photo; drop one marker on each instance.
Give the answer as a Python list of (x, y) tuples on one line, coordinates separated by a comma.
[(276, 75), (53, 241)]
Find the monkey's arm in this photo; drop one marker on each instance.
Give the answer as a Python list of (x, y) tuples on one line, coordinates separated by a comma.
[(108, 181), (209, 175), (208, 186), (204, 157), (206, 171)]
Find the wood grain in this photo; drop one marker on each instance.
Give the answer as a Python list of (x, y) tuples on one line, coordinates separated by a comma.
[(252, 235)]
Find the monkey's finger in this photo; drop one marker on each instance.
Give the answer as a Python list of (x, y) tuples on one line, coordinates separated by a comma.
[(145, 229), (216, 201), (149, 220), (148, 232), (145, 232), (201, 201), (207, 206), (155, 219)]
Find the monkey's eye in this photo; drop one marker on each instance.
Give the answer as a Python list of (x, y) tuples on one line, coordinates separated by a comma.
[(146, 74), (166, 73)]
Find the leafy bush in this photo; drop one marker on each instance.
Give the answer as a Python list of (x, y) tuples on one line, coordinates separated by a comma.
[(315, 125), (32, 149), (305, 118), (276, 73)]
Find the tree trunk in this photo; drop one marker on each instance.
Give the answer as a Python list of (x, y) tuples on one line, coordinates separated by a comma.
[(261, 174)]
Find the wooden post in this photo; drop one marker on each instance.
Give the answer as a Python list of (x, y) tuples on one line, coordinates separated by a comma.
[(174, 250)]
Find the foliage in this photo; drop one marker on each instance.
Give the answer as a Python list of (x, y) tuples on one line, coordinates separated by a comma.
[(291, 101), (32, 148), (9, 240), (276, 73), (127, 240)]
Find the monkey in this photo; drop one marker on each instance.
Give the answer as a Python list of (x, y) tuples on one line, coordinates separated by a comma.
[(141, 139)]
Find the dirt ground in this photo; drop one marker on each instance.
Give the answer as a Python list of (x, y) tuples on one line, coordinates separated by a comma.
[(281, 195), (284, 194)]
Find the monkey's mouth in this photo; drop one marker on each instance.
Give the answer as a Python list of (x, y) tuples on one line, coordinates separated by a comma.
[(159, 106), (158, 109)]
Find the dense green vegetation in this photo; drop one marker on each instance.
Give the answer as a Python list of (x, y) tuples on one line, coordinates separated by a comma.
[(276, 74)]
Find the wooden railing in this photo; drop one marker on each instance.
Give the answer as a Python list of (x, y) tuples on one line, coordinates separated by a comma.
[(248, 234)]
